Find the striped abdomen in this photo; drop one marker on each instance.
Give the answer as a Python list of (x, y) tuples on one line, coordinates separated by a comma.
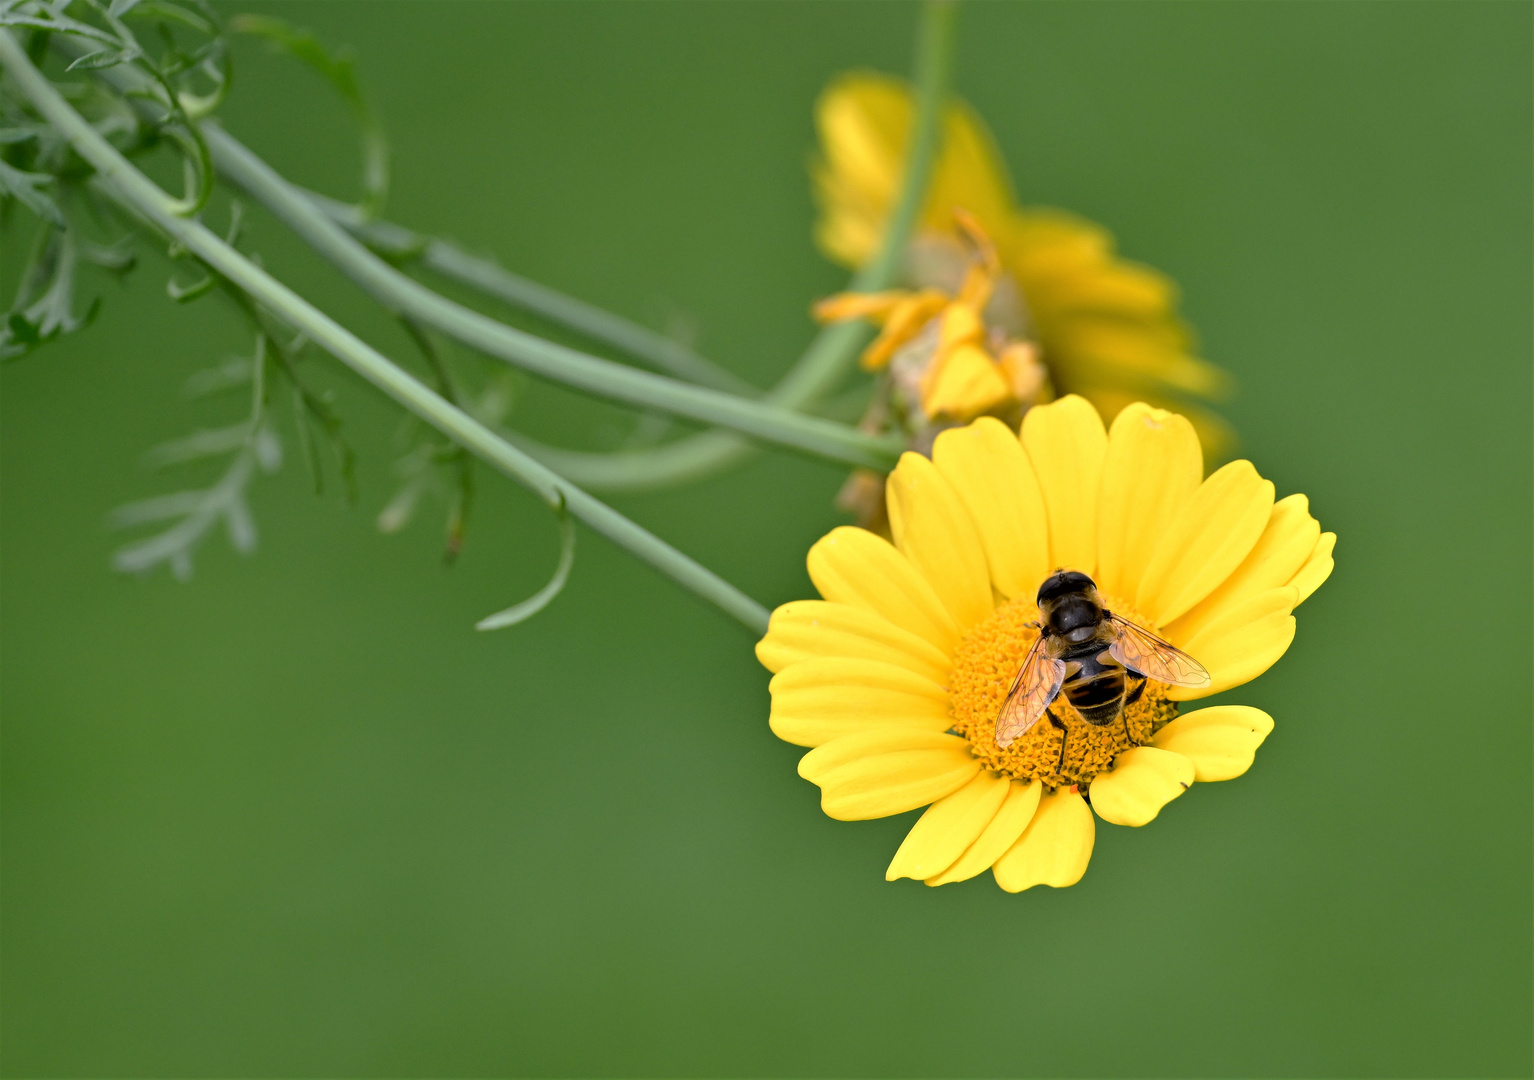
[(1100, 691)]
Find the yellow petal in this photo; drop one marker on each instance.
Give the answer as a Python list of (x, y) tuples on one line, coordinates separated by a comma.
[(855, 567), (1152, 467), (881, 349), (872, 774), (1135, 352), (999, 835), (1025, 374), (1046, 245), (875, 307), (865, 122), (1285, 545), (986, 466), (1317, 568), (1143, 780), (1221, 741), (862, 745), (963, 383), (1121, 288), (1204, 543), (934, 531), (1214, 434), (1241, 644), (812, 629), (1066, 442), (970, 173), (1235, 618), (845, 234), (903, 323), (916, 310), (1055, 848), (979, 282), (949, 826), (961, 326), (815, 701)]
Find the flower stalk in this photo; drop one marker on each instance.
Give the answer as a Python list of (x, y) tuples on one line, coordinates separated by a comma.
[(490, 279), (764, 420), (148, 201), (559, 363), (825, 364), (701, 391)]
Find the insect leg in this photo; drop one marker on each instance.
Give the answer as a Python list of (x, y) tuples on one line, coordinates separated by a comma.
[(1064, 731), (1136, 689)]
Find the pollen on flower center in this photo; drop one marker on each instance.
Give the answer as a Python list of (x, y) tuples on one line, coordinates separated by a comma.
[(984, 665)]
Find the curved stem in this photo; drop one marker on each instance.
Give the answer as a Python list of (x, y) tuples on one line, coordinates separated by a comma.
[(695, 457), (828, 361), (155, 206), (498, 283), (831, 356), (602, 378)]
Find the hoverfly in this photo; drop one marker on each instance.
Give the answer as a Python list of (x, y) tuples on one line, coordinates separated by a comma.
[(1099, 659)]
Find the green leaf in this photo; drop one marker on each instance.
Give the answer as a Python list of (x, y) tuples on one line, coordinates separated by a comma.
[(340, 71), (25, 187), (51, 315), (105, 58), (58, 24), (23, 332), (544, 596), (185, 294), (311, 408), (306, 445), (118, 258), (158, 9), (198, 445)]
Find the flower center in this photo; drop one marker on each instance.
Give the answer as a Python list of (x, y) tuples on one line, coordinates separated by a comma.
[(1062, 748)]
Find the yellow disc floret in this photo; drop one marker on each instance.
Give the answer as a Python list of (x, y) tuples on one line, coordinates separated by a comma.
[(984, 666)]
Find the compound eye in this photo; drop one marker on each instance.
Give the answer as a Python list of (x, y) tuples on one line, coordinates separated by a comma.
[(1062, 582)]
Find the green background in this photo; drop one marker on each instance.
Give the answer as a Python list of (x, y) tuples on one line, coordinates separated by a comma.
[(296, 817)]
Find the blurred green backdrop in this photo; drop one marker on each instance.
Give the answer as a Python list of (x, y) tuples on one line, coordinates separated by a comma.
[(297, 818)]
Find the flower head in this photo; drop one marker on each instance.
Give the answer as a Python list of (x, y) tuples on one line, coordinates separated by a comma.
[(896, 677), (949, 365), (1107, 328)]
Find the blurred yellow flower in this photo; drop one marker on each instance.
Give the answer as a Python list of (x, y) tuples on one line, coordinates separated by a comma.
[(895, 678), (949, 365), (1108, 328)]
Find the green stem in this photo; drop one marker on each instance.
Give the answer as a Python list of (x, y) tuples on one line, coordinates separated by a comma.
[(822, 367), (933, 76), (498, 283), (695, 457), (148, 200), (603, 378), (832, 355)]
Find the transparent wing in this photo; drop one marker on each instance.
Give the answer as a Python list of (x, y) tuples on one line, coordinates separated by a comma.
[(1037, 684), (1140, 650)]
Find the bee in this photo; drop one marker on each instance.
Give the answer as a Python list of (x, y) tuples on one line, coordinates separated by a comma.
[(1098, 659)]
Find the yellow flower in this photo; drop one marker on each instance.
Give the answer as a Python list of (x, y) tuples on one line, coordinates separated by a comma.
[(1105, 325), (956, 369), (895, 678)]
